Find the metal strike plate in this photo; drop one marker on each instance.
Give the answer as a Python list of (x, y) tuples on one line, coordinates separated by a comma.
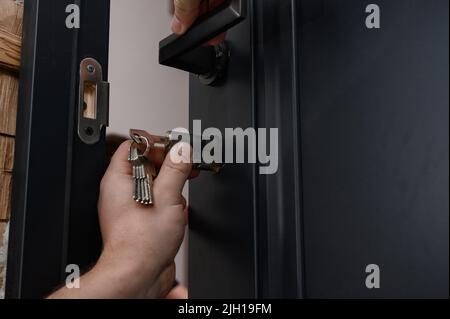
[(93, 107)]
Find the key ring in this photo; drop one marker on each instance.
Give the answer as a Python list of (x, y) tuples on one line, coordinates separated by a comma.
[(140, 140)]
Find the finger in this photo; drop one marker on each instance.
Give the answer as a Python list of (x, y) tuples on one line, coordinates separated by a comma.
[(113, 142), (119, 162), (179, 292), (173, 175), (186, 213), (194, 174), (208, 5), (186, 11), (217, 40), (183, 202), (166, 279), (203, 8), (215, 3), (185, 207)]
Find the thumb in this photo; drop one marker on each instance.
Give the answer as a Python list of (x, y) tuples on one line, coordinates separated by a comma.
[(119, 162), (186, 11), (173, 175)]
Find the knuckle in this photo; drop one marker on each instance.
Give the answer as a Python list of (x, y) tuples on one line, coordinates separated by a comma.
[(181, 168), (164, 199)]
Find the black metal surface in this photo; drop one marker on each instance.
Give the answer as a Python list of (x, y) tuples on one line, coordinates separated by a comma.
[(88, 161), (363, 179), (187, 52), (50, 226), (245, 228), (279, 200), (375, 148), (221, 219)]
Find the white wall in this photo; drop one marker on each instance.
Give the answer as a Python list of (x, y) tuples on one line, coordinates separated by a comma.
[(144, 95)]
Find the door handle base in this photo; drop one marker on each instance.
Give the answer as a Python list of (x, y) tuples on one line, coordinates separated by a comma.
[(221, 59), (188, 52)]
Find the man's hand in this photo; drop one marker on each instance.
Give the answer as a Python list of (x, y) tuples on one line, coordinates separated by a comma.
[(140, 243), (187, 11)]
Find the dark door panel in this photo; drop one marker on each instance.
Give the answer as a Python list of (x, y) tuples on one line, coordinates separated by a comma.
[(374, 107), (56, 176), (221, 236), (363, 137)]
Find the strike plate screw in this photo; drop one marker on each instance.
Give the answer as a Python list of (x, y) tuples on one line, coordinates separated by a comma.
[(90, 68)]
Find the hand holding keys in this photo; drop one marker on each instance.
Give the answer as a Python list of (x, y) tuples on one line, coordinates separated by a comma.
[(146, 155)]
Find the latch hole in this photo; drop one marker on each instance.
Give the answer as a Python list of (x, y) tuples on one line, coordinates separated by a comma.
[(90, 101)]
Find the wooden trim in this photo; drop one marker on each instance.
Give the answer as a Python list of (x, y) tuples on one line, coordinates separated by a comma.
[(6, 153), (9, 50), (6, 168), (5, 196), (9, 91)]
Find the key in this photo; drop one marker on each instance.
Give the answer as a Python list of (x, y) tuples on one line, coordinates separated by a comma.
[(146, 187), (146, 155), (149, 184), (133, 158), (143, 179)]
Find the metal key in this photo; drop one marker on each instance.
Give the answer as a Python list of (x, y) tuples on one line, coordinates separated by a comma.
[(142, 179), (147, 153)]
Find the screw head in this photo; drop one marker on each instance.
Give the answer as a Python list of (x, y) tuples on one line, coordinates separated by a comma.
[(90, 68)]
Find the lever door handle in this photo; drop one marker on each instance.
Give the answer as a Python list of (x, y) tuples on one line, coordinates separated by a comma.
[(187, 52)]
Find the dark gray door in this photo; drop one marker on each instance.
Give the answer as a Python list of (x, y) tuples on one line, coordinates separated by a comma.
[(374, 116), (55, 219), (363, 125), (221, 236)]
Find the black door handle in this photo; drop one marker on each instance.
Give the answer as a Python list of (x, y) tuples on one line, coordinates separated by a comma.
[(188, 52)]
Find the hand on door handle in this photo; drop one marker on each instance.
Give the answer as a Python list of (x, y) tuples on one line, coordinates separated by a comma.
[(185, 12), (187, 51)]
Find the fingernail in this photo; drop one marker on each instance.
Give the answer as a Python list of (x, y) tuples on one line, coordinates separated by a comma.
[(176, 25)]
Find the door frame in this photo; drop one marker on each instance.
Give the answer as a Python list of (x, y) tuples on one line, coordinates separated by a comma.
[(276, 104), (266, 251), (55, 182)]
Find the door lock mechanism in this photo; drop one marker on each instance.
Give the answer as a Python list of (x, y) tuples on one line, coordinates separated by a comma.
[(187, 52), (93, 105)]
